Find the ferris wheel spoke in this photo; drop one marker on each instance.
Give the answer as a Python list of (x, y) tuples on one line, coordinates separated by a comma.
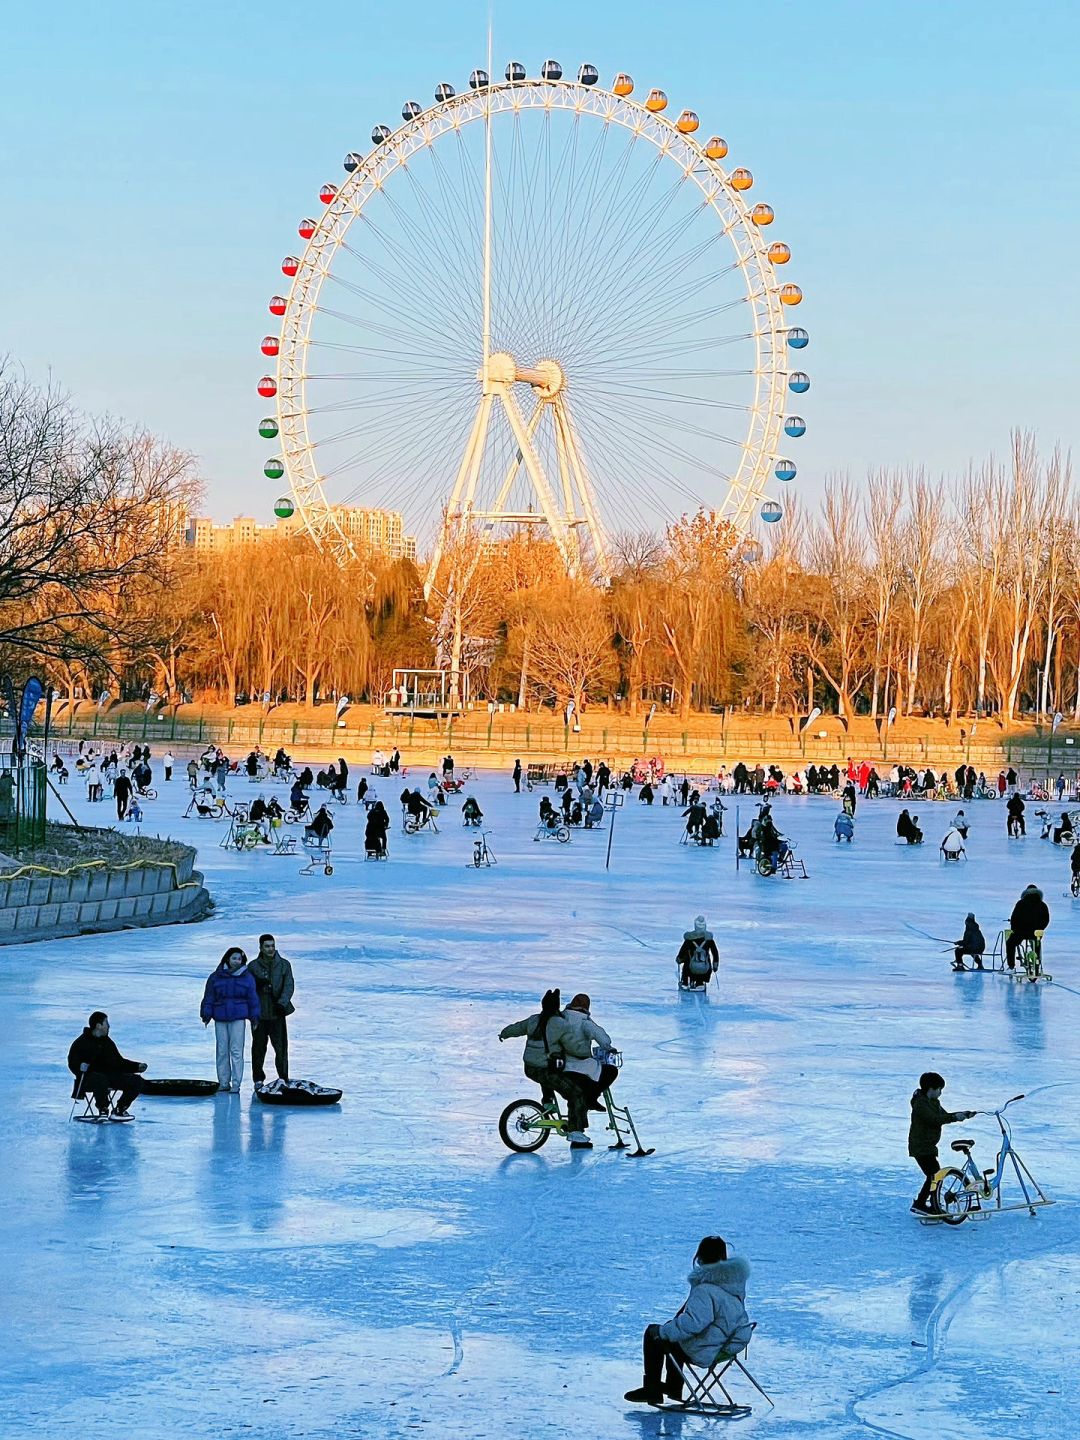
[(424, 324), (399, 278), (424, 476), (367, 324), (668, 299), (387, 447), (377, 352), (633, 221), (613, 217), (436, 215), (629, 277), (396, 281), (442, 236)]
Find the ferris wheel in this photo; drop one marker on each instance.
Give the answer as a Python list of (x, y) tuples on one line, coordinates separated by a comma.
[(536, 304)]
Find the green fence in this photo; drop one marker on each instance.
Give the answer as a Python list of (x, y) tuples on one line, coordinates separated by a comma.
[(22, 803)]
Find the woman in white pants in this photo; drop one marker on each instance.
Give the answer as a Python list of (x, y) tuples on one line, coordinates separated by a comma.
[(232, 1002)]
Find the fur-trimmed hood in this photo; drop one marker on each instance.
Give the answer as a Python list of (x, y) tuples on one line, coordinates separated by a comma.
[(729, 1274)]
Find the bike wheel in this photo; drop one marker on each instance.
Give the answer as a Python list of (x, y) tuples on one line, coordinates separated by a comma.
[(562, 834), (518, 1127), (329, 869), (150, 794), (764, 865), (953, 1199)]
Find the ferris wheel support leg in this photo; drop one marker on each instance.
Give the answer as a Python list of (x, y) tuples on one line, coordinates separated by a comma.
[(567, 486), (465, 481), (515, 464), (556, 523), (584, 489)]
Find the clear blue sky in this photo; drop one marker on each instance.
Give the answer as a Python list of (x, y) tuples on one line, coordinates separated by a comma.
[(920, 158)]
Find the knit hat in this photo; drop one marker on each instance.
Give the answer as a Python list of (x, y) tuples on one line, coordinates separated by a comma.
[(699, 922)]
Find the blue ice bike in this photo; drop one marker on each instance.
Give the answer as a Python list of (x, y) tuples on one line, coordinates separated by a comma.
[(960, 1192)]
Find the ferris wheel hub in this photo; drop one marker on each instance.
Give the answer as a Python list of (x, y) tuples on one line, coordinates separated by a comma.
[(547, 377)]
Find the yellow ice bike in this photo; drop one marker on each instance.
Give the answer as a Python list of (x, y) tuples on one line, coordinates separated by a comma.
[(525, 1125)]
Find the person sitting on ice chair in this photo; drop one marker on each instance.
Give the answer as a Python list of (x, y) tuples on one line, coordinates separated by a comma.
[(952, 844), (972, 942), (712, 1316), (98, 1068), (698, 956), (471, 814)]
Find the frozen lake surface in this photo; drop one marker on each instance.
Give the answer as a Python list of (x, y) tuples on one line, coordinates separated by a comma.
[(388, 1268)]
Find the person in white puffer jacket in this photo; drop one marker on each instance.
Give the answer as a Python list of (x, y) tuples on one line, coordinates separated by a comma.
[(571, 1037), (713, 1317)]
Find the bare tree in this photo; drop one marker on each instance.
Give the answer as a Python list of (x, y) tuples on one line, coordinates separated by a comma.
[(881, 510), (87, 514)]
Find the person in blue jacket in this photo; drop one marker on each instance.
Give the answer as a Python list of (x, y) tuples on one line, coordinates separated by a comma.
[(231, 1000)]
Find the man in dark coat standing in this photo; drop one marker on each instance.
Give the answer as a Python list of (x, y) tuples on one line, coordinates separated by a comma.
[(274, 983), (98, 1067), (121, 794)]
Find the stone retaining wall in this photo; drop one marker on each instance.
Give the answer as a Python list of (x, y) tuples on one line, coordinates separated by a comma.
[(90, 899)]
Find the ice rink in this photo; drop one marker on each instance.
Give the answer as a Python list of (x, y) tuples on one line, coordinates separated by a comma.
[(388, 1268)]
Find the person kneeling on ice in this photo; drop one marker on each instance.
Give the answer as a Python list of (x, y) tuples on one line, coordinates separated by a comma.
[(712, 1316), (972, 943), (907, 828), (471, 814), (698, 956), (927, 1118), (535, 1059), (571, 1037), (952, 844), (844, 828)]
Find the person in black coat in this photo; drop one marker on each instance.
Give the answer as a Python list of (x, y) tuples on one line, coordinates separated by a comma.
[(320, 826), (517, 777), (1015, 824), (98, 1067), (121, 794), (928, 1115), (1029, 915), (378, 823), (907, 828)]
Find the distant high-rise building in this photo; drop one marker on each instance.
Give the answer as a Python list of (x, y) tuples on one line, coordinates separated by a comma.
[(382, 530)]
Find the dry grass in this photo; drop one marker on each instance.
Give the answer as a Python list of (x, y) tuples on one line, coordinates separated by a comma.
[(66, 846)]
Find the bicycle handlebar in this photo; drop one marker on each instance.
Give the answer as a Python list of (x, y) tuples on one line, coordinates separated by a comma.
[(1004, 1107)]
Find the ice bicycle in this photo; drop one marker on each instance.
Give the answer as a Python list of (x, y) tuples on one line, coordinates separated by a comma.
[(781, 862), (959, 1192), (482, 853), (525, 1125), (1028, 958)]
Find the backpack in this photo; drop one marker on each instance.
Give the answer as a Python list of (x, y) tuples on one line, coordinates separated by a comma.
[(699, 964)]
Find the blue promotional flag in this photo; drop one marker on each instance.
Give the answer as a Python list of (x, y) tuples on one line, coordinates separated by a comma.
[(33, 690)]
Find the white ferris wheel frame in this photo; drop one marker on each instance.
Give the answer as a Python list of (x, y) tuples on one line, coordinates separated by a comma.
[(760, 449)]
